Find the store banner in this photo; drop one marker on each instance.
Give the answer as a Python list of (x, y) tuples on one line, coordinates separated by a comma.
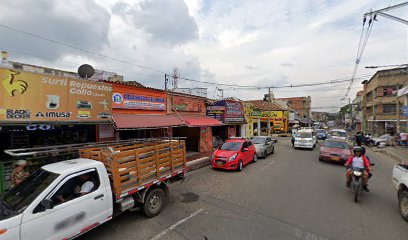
[(184, 104), (137, 101), (27, 97), (216, 112), (234, 112)]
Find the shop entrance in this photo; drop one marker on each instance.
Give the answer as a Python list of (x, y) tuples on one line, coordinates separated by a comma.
[(192, 135)]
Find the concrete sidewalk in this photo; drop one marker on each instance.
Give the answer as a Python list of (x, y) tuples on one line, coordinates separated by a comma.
[(198, 160), (400, 154)]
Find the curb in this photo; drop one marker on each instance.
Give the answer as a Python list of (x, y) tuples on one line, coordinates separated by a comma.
[(395, 157), (198, 163)]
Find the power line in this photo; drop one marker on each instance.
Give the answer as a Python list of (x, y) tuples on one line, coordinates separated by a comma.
[(77, 48)]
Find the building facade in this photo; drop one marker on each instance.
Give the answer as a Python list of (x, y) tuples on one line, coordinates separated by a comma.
[(301, 105), (381, 104)]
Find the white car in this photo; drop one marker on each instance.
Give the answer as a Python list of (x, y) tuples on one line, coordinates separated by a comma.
[(383, 138), (338, 134), (305, 138)]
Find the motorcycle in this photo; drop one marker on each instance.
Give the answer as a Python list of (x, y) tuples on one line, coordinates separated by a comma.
[(356, 185)]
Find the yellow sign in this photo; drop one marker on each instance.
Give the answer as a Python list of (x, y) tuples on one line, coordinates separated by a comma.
[(272, 114), (26, 97)]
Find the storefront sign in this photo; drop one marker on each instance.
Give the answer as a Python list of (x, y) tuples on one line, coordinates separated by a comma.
[(187, 104), (26, 97), (272, 114), (234, 112), (135, 101), (404, 111), (216, 112), (256, 113)]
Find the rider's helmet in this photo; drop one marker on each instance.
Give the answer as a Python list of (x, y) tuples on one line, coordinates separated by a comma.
[(358, 149)]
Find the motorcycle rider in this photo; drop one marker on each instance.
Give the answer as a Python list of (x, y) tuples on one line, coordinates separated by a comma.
[(358, 160)]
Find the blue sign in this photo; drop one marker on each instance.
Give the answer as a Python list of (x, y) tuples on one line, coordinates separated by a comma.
[(405, 111)]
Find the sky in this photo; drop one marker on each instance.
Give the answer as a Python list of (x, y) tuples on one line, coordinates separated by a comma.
[(262, 43)]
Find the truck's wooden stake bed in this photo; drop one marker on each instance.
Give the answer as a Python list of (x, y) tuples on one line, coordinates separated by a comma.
[(69, 198)]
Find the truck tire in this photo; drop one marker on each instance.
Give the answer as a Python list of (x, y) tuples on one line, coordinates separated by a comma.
[(403, 204), (154, 202)]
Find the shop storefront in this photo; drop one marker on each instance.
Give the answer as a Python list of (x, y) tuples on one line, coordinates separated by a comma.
[(191, 110), (42, 110), (140, 112)]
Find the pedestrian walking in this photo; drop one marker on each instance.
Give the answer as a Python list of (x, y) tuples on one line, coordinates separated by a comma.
[(392, 139), (403, 137)]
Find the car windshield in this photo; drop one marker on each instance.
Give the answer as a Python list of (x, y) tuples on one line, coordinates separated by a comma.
[(336, 144), (258, 140), (304, 135), (385, 136), (339, 134), (19, 197), (320, 131), (231, 146)]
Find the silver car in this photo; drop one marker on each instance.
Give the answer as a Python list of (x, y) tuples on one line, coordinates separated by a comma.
[(264, 145)]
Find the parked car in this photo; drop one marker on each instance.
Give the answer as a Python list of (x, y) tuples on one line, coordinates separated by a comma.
[(400, 180), (335, 150), (264, 145), (234, 154), (338, 134), (321, 134), (383, 138), (305, 138)]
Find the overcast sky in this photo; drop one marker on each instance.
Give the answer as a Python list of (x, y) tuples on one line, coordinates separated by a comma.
[(245, 42)]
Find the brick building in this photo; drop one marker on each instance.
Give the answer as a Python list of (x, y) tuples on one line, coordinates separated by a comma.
[(301, 105), (381, 104)]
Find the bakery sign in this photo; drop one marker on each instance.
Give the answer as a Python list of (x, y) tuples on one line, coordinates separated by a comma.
[(28, 97), (137, 101)]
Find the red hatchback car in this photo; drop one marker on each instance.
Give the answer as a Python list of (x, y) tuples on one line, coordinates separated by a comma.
[(234, 154), (335, 150)]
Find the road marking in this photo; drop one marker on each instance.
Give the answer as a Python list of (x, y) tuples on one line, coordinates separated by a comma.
[(269, 164), (165, 231)]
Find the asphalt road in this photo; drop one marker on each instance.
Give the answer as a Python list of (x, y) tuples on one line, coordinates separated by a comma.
[(289, 195)]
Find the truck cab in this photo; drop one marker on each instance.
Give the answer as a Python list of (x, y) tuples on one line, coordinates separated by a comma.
[(400, 181), (58, 201)]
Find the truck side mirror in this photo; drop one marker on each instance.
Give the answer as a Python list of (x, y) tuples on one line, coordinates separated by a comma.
[(46, 204)]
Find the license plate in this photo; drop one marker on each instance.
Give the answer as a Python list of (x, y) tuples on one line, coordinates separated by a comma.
[(219, 163), (335, 158)]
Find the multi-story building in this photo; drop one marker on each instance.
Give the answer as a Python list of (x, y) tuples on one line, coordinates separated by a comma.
[(301, 105), (357, 113), (381, 105)]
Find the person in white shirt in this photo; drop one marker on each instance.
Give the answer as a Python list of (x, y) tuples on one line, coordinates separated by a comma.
[(87, 185)]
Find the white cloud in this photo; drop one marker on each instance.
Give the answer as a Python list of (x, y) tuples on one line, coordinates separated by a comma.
[(257, 42)]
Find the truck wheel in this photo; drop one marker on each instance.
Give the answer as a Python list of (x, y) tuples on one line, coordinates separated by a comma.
[(403, 205), (154, 202)]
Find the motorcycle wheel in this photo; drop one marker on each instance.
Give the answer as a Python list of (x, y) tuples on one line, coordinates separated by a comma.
[(357, 190)]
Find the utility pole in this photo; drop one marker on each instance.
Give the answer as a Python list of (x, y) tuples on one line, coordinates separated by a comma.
[(382, 13), (176, 75), (165, 82)]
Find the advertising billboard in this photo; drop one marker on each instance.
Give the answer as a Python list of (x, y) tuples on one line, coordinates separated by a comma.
[(28, 97), (234, 112)]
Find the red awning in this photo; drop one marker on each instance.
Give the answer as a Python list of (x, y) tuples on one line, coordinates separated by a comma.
[(136, 121), (198, 121)]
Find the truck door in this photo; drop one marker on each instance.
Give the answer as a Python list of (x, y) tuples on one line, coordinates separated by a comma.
[(77, 204)]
